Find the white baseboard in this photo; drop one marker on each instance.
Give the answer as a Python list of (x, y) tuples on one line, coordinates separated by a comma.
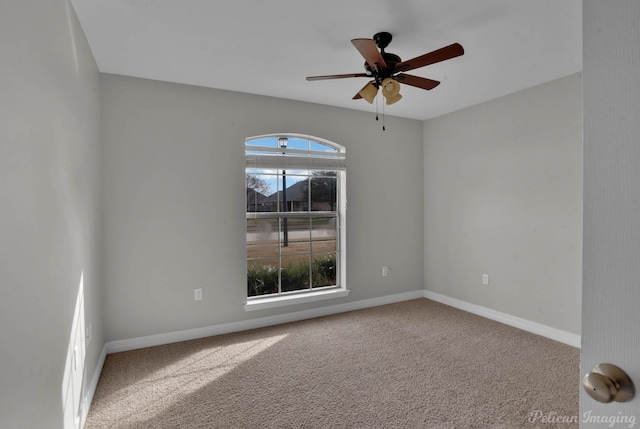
[(526, 325), (227, 328), (88, 399)]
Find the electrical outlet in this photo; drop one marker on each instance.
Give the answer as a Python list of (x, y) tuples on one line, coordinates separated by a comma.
[(197, 294), (385, 271), (485, 279)]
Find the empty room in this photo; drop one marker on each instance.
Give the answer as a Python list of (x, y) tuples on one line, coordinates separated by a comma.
[(409, 214)]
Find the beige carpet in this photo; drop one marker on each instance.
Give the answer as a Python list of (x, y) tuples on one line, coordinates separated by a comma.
[(415, 364)]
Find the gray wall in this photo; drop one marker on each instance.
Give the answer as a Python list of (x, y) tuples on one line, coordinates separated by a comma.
[(611, 292), (503, 196), (174, 213), (500, 195), (49, 215)]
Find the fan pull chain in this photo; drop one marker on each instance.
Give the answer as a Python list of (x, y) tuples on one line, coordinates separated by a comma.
[(383, 128), (377, 119)]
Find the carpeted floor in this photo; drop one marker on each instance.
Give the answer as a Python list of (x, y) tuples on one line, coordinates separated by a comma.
[(415, 364)]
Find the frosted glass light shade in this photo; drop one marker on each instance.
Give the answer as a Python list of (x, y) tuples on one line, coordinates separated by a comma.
[(391, 90), (369, 92)]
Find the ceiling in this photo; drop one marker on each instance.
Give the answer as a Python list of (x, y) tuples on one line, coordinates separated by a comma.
[(269, 47)]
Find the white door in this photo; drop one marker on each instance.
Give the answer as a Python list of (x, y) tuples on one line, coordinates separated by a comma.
[(611, 262)]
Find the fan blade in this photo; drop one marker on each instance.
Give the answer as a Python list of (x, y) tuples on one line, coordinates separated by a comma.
[(369, 50), (417, 81), (337, 76), (448, 52)]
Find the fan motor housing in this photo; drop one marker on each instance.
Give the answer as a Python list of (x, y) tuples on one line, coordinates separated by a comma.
[(390, 59), (382, 40)]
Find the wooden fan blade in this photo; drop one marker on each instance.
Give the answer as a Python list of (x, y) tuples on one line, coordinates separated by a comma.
[(337, 76), (417, 81), (448, 52), (369, 50)]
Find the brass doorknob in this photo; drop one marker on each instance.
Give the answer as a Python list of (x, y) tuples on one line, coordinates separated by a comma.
[(607, 383)]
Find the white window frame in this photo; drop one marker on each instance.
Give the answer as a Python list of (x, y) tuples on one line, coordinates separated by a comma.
[(277, 158)]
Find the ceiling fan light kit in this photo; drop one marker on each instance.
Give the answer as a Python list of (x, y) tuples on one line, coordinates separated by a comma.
[(388, 70), (391, 90), (369, 92)]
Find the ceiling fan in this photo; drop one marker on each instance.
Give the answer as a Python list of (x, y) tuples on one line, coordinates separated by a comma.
[(388, 69)]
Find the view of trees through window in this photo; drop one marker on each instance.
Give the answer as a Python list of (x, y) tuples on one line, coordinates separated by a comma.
[(291, 230)]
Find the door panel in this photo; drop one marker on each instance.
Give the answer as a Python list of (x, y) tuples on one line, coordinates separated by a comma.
[(611, 256)]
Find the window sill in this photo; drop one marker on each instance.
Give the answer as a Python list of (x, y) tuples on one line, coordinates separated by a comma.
[(281, 301)]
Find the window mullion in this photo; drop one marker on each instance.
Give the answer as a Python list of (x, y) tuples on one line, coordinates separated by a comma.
[(279, 256), (310, 252), (269, 215)]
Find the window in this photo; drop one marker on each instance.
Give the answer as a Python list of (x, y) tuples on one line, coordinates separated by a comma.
[(295, 218)]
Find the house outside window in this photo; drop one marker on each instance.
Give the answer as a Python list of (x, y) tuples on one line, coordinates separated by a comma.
[(295, 218)]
